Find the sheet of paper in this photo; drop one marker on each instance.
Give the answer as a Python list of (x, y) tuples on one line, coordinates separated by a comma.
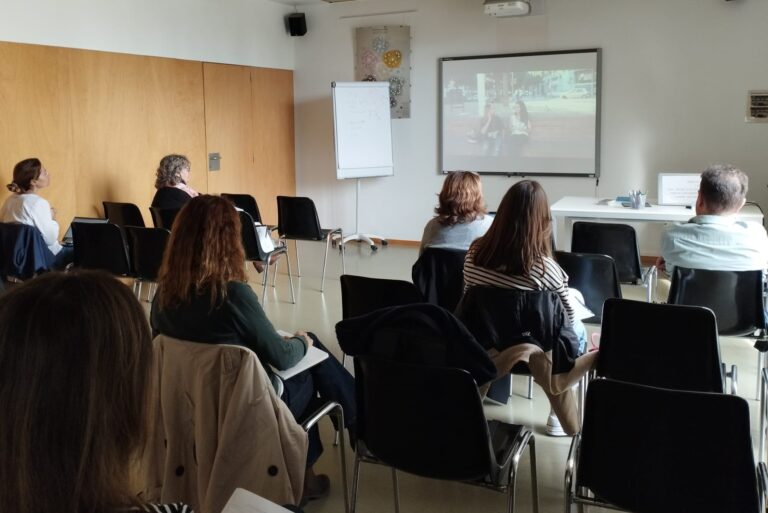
[(243, 501), (312, 358), (577, 302), (678, 188)]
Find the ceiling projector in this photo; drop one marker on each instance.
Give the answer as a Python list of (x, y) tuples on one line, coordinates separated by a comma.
[(504, 8)]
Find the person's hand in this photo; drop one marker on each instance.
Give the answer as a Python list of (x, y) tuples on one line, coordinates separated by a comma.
[(303, 334), (661, 264)]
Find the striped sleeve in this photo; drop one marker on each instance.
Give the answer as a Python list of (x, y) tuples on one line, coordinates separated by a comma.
[(176, 507)]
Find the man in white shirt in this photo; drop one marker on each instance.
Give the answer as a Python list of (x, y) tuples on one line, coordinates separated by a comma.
[(715, 239)]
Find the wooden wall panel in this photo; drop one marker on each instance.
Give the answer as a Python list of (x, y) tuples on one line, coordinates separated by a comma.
[(228, 127), (36, 120), (129, 112), (273, 138)]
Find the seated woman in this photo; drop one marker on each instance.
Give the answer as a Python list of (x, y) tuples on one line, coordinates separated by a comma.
[(25, 206), (516, 253), (171, 183), (76, 360), (461, 214), (203, 297)]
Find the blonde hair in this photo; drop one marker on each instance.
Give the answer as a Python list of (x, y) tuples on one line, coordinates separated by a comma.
[(461, 199)]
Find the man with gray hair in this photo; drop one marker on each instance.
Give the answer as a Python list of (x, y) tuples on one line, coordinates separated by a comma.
[(715, 239)]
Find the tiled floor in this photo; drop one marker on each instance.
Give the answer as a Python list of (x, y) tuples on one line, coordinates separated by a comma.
[(320, 312)]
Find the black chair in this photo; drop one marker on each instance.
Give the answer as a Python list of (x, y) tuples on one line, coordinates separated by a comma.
[(23, 252), (440, 432), (646, 449), (439, 276), (164, 217), (255, 252), (123, 214), (661, 345), (619, 241), (361, 295), (736, 297), (101, 246), (297, 220), (593, 275), (247, 203), (146, 246)]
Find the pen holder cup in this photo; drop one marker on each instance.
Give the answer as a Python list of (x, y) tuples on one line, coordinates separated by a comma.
[(638, 201)]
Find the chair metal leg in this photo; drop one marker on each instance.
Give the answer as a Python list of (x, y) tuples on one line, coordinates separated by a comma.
[(274, 271), (760, 366), (355, 482), (137, 288), (343, 251), (264, 284), (290, 277), (298, 265), (534, 476), (511, 488), (396, 489), (530, 387), (325, 260), (762, 377), (336, 437)]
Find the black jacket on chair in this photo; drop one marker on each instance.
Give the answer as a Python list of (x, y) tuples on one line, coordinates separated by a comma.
[(500, 318), (24, 253), (418, 333)]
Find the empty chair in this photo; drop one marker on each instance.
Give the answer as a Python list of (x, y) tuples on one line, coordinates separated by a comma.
[(361, 295), (147, 246), (255, 252), (662, 345), (163, 217), (101, 246), (297, 220), (654, 450), (593, 275), (619, 241), (123, 214), (23, 252), (439, 276)]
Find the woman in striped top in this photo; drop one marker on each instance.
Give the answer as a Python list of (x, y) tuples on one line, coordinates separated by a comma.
[(516, 253)]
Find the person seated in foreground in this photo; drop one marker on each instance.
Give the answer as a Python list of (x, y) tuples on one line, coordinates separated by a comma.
[(171, 183), (461, 213), (516, 253), (25, 206), (714, 239), (76, 361), (203, 296)]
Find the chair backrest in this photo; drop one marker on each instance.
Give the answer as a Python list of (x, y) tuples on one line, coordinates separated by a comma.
[(23, 252), (123, 214), (650, 449), (147, 246), (163, 217), (618, 241), (736, 297), (662, 345), (424, 420), (101, 246), (595, 276), (251, 242), (245, 202), (439, 276), (297, 218), (361, 295)]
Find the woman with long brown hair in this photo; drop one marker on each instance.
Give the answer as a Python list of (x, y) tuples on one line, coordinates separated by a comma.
[(461, 213), (75, 361), (203, 296), (516, 253)]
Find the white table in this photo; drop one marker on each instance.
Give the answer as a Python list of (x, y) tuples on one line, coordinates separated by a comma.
[(572, 208)]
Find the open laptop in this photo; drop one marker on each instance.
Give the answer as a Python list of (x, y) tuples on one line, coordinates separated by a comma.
[(67, 240)]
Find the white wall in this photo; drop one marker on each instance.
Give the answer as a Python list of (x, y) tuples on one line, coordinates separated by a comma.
[(675, 78), (245, 32)]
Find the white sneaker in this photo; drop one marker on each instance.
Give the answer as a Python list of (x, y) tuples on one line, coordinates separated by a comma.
[(553, 426)]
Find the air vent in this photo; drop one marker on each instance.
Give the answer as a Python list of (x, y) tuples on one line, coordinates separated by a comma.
[(757, 107)]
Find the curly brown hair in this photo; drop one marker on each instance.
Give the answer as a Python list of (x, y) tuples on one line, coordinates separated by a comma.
[(169, 170), (204, 253), (461, 199)]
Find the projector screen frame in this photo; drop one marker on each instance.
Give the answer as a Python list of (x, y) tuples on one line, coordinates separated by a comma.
[(521, 173)]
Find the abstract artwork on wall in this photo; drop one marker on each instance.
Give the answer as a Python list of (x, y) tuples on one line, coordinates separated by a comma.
[(384, 54)]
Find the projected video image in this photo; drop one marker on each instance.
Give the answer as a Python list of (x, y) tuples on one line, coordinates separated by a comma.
[(535, 121)]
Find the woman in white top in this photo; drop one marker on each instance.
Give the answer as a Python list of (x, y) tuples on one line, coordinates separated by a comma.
[(461, 214), (26, 207)]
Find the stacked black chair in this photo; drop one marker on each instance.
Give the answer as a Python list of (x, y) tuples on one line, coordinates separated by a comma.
[(439, 276), (255, 252), (147, 246), (123, 214), (101, 246), (164, 217), (593, 275), (619, 241), (297, 220), (655, 450)]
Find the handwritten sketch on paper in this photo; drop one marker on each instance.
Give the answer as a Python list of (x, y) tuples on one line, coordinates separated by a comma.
[(383, 54), (678, 188)]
